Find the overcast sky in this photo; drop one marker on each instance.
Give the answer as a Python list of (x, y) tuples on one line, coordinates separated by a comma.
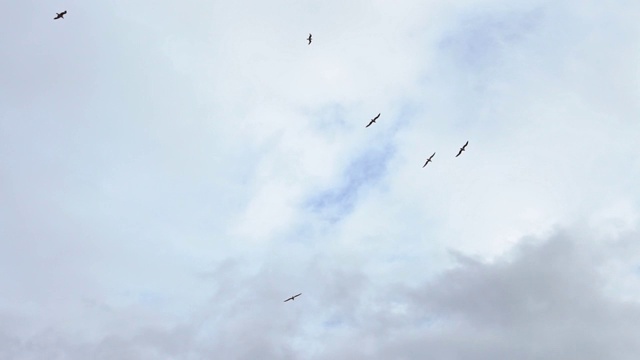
[(170, 172)]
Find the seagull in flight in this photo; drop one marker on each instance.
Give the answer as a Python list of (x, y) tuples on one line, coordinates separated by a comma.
[(60, 15), (309, 38), (462, 148), (429, 160), (373, 120), (293, 297)]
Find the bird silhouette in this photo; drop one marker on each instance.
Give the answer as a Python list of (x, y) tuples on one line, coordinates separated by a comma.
[(60, 15), (293, 297), (429, 160), (373, 120), (462, 148), (309, 38)]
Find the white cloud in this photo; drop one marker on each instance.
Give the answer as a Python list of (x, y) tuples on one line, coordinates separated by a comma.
[(141, 143)]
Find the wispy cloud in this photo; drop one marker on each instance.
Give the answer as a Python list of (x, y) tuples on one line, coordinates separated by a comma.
[(143, 145), (364, 171)]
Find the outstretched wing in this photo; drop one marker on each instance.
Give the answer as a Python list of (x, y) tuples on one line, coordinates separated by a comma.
[(459, 152), (431, 157), (465, 144), (64, 12), (293, 297)]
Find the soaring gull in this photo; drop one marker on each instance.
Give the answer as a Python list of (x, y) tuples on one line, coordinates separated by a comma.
[(373, 120), (429, 160), (60, 15), (462, 148), (293, 297)]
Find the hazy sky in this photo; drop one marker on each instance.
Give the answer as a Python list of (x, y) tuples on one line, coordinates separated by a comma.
[(170, 172)]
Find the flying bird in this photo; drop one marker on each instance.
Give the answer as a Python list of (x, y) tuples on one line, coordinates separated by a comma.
[(60, 15), (373, 120), (309, 38), (293, 297), (462, 148), (429, 160)]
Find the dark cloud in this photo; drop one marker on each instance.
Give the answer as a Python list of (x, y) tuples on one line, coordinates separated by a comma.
[(543, 300)]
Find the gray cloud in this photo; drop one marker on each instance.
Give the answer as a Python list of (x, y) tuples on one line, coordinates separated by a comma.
[(547, 298), (141, 142)]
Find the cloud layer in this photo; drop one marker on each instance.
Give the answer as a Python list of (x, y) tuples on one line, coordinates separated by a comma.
[(170, 173)]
